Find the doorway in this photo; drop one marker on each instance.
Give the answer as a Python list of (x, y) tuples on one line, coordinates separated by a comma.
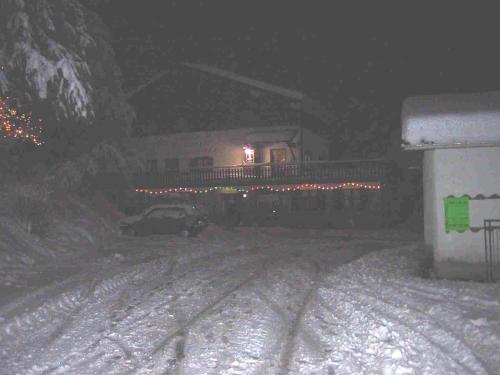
[(278, 155), (278, 160)]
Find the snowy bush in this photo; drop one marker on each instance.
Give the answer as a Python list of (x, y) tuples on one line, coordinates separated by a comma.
[(29, 204), (69, 176), (103, 169)]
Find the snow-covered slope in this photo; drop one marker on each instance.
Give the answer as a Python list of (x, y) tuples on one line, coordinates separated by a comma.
[(77, 230), (18, 252)]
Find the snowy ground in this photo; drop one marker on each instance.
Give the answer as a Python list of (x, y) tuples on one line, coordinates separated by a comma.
[(251, 302)]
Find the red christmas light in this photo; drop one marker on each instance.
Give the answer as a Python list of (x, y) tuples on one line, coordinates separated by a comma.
[(19, 125), (290, 188)]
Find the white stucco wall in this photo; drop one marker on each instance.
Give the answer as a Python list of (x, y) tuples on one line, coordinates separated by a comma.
[(457, 172), (430, 200)]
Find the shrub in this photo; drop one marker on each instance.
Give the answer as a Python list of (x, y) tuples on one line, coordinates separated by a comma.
[(102, 169), (30, 205)]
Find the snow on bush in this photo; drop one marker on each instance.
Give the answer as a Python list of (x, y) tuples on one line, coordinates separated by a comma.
[(82, 174), (3, 81), (56, 55), (29, 204)]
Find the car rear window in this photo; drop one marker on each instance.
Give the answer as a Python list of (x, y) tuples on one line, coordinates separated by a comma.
[(171, 212)]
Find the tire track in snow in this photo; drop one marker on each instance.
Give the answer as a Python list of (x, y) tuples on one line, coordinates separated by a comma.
[(68, 285), (379, 315), (108, 286), (309, 337), (221, 273), (69, 295), (110, 331), (69, 318), (224, 270), (68, 306), (113, 327), (289, 347), (66, 323), (66, 303), (466, 351), (433, 294), (184, 327)]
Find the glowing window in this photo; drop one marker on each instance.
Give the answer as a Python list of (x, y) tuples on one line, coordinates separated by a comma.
[(249, 155)]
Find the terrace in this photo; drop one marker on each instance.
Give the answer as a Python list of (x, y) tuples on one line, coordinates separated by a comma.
[(312, 172)]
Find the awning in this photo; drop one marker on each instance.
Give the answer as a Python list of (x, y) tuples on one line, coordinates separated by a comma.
[(273, 136)]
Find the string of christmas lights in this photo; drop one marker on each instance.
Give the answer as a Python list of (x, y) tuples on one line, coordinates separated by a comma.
[(17, 125), (251, 189)]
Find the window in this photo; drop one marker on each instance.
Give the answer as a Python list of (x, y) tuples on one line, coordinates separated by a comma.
[(167, 213), (156, 214), (152, 166), (249, 155), (278, 155), (201, 162), (172, 164)]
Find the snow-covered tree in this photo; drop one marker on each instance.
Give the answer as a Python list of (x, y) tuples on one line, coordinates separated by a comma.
[(56, 60)]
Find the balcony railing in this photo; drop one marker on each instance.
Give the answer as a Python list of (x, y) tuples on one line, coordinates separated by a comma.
[(269, 174)]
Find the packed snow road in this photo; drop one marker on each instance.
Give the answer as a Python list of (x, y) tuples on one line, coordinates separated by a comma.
[(253, 302)]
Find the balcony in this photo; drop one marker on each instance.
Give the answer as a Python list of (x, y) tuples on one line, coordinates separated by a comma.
[(317, 172)]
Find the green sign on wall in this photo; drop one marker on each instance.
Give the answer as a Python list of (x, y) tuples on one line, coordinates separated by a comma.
[(456, 214)]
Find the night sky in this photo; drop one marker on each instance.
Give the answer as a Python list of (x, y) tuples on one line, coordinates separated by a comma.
[(376, 55)]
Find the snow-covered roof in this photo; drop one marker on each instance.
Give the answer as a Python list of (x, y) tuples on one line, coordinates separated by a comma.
[(292, 94), (451, 120), (313, 107)]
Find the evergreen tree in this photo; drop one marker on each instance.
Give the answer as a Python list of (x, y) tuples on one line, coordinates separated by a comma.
[(57, 62)]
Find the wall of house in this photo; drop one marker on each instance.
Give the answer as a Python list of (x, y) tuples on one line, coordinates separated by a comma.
[(224, 146), (458, 172), (430, 197)]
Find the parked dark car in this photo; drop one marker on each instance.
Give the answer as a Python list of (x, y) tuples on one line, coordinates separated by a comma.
[(180, 217)]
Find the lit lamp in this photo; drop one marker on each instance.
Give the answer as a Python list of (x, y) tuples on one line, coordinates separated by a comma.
[(249, 154)]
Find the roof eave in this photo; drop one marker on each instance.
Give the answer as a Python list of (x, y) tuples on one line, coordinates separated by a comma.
[(423, 147)]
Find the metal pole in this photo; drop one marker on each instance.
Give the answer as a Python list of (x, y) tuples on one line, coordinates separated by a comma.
[(485, 249)]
